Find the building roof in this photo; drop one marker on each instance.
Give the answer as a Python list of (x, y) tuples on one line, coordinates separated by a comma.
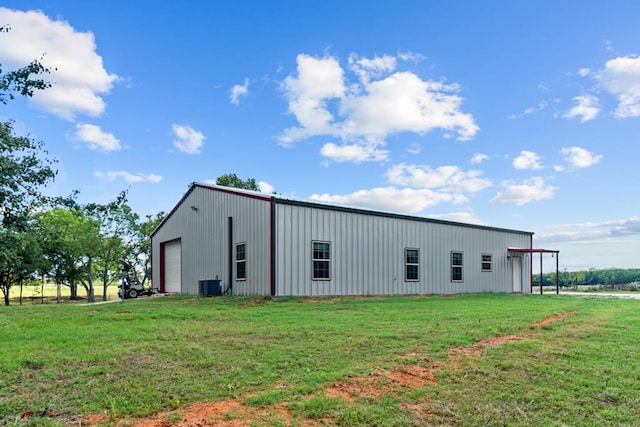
[(281, 199)]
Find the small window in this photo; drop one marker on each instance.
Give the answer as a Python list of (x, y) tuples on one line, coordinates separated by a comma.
[(411, 264), (321, 259), (241, 261), (456, 266), (486, 262)]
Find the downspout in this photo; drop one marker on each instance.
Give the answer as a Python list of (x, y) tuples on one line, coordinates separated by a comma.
[(230, 266), (272, 255), (162, 278)]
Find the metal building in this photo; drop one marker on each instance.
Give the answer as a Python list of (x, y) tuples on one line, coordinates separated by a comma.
[(252, 243)]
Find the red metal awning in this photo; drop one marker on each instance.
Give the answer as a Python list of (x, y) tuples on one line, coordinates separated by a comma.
[(540, 251)]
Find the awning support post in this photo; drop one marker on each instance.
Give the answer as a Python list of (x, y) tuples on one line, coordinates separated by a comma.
[(557, 273), (541, 277)]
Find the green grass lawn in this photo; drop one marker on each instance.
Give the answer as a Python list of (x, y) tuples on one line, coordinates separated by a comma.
[(63, 363)]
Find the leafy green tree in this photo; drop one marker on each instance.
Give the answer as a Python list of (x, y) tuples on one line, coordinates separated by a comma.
[(87, 235), (24, 170), (232, 180), (139, 248), (61, 251), (24, 167), (19, 258), (117, 222), (72, 246), (24, 80)]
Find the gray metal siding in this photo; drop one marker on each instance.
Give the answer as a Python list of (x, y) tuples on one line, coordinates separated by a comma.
[(205, 244), (367, 254)]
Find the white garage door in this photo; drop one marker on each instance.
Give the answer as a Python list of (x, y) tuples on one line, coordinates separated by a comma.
[(172, 266)]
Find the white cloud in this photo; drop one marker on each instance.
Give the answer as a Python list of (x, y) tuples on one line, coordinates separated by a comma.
[(410, 56), (353, 153), (541, 106), (479, 158), (128, 177), (403, 200), (414, 149), (366, 68), (188, 140), (265, 187), (239, 90), (78, 74), (403, 102), (621, 77), (527, 160), (381, 103), (446, 178), (579, 157), (531, 190), (586, 109), (589, 231), (96, 138), (465, 217), (318, 81), (584, 72)]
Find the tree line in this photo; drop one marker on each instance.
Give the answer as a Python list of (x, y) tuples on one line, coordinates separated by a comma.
[(610, 277)]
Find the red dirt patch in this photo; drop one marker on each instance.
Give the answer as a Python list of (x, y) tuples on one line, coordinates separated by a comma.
[(553, 318), (230, 413), (373, 385), (93, 419), (414, 376)]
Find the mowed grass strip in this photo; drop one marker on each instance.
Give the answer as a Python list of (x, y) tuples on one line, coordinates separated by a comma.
[(61, 363)]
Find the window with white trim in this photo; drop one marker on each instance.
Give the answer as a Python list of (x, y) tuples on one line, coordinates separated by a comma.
[(456, 266), (241, 261), (411, 264), (321, 260), (487, 263)]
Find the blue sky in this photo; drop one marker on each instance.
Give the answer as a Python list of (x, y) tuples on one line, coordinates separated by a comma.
[(522, 115)]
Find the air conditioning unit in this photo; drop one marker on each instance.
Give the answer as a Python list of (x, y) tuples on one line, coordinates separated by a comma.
[(209, 288)]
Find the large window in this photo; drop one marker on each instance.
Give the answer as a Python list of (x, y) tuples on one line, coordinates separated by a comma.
[(456, 266), (321, 259), (241, 261), (411, 264), (486, 262)]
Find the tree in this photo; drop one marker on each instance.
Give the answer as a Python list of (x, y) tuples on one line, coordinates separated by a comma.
[(117, 222), (139, 249), (60, 250), (23, 168), (19, 258), (23, 171), (21, 80), (232, 180), (87, 235)]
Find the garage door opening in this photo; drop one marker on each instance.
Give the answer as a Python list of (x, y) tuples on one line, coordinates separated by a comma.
[(171, 266)]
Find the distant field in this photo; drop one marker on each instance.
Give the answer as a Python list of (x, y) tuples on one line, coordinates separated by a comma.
[(33, 294), (458, 360)]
